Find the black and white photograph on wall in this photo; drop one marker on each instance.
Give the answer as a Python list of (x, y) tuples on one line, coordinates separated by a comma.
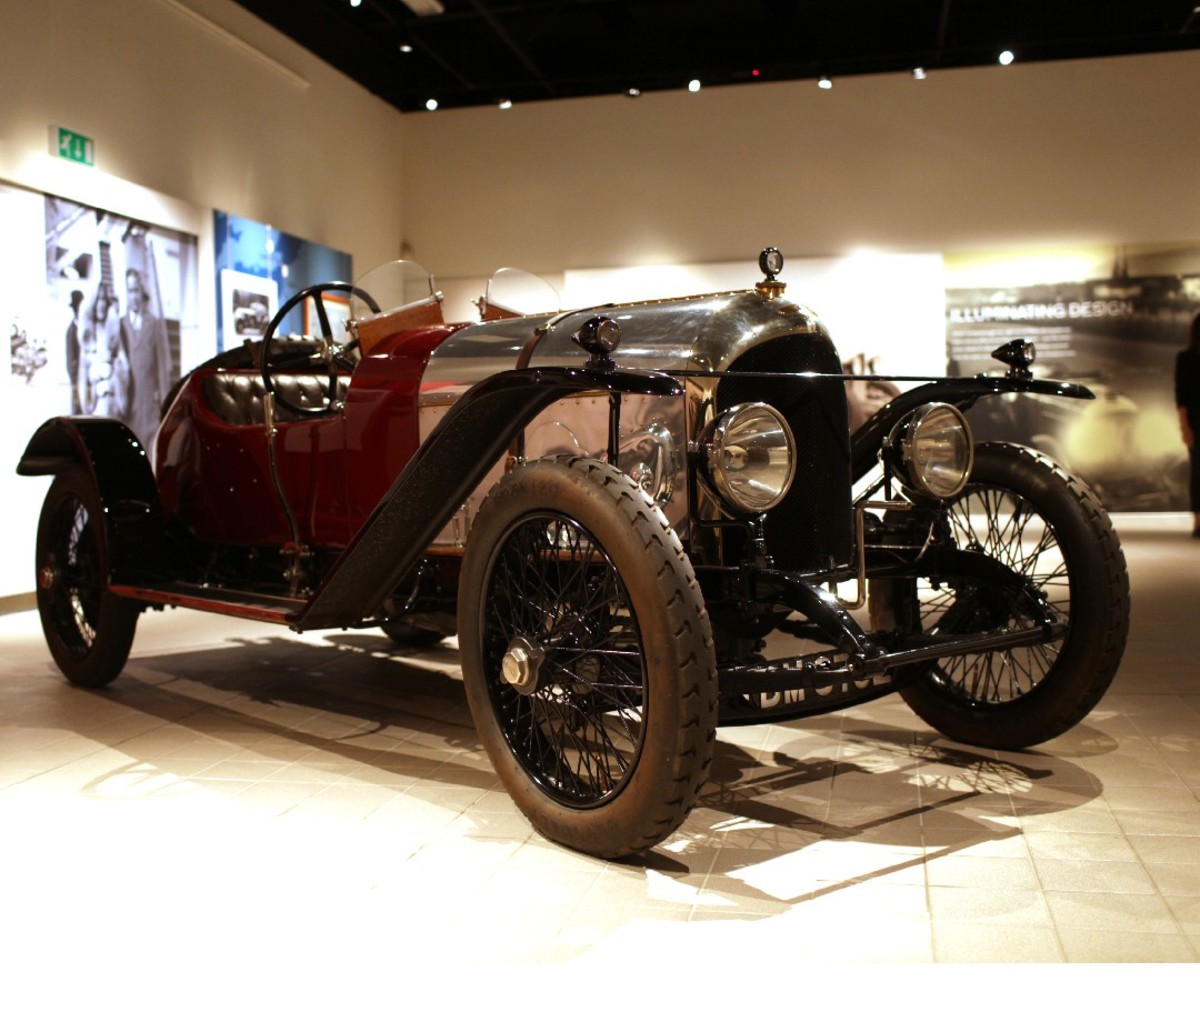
[(1112, 319), (248, 302), (119, 291)]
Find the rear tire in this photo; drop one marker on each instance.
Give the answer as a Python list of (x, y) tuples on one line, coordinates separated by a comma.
[(1027, 513), (88, 629)]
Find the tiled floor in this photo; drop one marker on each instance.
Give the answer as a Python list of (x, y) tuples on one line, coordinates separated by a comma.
[(318, 805)]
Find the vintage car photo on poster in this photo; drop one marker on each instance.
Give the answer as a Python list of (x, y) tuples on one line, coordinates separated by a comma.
[(643, 522)]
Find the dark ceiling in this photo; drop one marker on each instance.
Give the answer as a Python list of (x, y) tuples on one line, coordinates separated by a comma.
[(480, 52)]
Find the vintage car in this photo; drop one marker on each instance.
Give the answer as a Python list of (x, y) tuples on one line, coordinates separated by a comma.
[(250, 318), (642, 521)]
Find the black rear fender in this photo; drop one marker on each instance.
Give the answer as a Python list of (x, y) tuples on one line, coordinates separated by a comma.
[(118, 465)]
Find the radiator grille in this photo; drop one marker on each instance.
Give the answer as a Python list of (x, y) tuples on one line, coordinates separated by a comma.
[(811, 528)]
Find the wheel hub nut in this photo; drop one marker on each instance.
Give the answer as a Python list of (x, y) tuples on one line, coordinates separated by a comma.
[(521, 665)]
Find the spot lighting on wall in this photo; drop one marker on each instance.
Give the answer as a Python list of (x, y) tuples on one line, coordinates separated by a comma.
[(506, 104), (1007, 57), (431, 105), (824, 82), (694, 85), (918, 73)]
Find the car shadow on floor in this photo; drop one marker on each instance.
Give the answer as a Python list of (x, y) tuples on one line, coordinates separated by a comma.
[(814, 814), (835, 784)]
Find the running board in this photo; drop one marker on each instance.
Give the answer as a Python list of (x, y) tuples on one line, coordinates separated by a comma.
[(278, 610)]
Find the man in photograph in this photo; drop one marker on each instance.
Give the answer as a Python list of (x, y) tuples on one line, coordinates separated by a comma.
[(74, 349), (145, 339)]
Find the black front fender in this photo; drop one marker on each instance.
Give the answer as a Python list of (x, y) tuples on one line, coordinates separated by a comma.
[(961, 391), (450, 464), (120, 469)]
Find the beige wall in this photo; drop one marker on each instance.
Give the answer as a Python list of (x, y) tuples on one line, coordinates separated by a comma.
[(1086, 151), (219, 111), (211, 112)]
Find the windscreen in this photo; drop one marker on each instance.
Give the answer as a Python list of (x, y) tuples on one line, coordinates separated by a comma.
[(390, 287), (513, 292)]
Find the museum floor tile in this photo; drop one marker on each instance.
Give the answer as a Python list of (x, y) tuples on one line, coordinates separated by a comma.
[(295, 806)]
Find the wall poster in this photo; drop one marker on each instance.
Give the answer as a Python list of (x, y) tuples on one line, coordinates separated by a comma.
[(258, 269), (102, 310), (98, 321), (1110, 319), (118, 292)]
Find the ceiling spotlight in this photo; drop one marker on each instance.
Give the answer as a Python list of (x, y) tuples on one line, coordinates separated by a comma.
[(1007, 57), (694, 85), (824, 82), (506, 104), (633, 93), (405, 48), (919, 74), (355, 3), (431, 105)]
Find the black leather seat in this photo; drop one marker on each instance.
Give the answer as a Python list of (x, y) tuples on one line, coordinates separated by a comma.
[(237, 397)]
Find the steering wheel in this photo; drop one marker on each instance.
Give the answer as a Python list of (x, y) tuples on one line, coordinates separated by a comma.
[(330, 353)]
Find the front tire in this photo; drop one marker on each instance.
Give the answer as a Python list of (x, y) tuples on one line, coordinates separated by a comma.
[(1047, 526), (587, 656), (88, 629)]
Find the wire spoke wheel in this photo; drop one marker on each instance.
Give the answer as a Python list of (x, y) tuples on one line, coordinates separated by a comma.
[(1054, 550), (578, 731), (587, 656), (1007, 528), (74, 561), (89, 630)]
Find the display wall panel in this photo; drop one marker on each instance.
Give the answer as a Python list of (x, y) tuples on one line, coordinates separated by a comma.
[(1111, 317), (259, 267), (104, 308)]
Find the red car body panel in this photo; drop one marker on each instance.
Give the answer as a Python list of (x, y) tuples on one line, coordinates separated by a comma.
[(214, 476)]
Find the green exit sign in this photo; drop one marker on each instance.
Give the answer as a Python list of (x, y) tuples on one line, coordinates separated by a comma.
[(71, 145)]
